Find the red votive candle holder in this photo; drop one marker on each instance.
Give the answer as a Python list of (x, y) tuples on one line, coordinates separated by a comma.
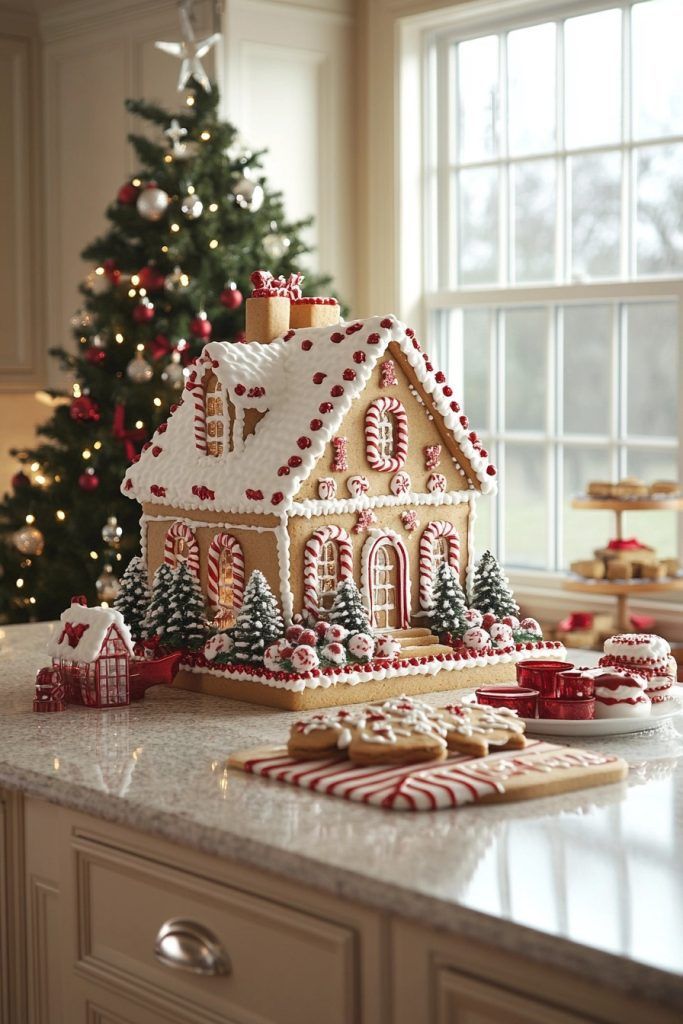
[(575, 685), (520, 698), (541, 675), (568, 710)]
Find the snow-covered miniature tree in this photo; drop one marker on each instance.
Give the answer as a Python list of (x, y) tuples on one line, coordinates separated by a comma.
[(155, 619), (447, 614), (258, 622), (348, 609), (491, 591), (134, 597), (185, 623)]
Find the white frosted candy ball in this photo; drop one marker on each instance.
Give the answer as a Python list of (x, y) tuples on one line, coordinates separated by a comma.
[(272, 658), (320, 628), (386, 646), (476, 638), (335, 653), (294, 632), (336, 633), (361, 646), (501, 633), (530, 626), (220, 643), (304, 658), (511, 620), (473, 618)]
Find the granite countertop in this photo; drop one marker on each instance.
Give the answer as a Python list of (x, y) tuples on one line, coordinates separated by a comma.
[(592, 882)]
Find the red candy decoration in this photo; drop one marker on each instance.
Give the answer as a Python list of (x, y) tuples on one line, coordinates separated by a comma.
[(359, 356), (303, 441), (440, 377), (336, 337), (387, 322), (349, 374), (316, 424), (447, 390), (294, 461), (337, 391), (307, 344), (283, 471), (240, 389), (373, 339), (156, 450), (318, 378), (491, 470), (277, 498), (352, 328), (464, 422), (254, 495), (325, 407)]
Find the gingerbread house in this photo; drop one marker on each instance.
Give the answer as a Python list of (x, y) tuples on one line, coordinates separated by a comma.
[(315, 453), (92, 648)]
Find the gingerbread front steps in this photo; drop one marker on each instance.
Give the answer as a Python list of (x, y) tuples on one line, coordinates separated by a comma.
[(419, 643), (428, 650)]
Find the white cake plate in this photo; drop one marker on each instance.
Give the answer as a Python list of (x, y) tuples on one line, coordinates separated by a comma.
[(659, 715)]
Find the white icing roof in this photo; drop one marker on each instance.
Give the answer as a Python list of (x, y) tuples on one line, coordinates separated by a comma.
[(290, 377), (97, 621)]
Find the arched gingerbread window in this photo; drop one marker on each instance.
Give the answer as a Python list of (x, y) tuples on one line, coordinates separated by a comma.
[(181, 546), (214, 415), (439, 543), (225, 574), (386, 435), (328, 559)]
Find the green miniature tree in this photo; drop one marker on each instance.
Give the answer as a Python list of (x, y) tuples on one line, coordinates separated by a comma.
[(348, 609), (447, 614), (185, 624), (491, 591), (153, 625), (134, 597), (258, 622)]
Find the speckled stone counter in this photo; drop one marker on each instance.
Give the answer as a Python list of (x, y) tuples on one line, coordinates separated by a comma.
[(592, 882)]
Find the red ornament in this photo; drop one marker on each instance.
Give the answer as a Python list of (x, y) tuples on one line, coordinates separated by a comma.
[(84, 410), (143, 313), (160, 346), (95, 356), (111, 271), (20, 481), (200, 327), (151, 278), (89, 481), (127, 194), (231, 297)]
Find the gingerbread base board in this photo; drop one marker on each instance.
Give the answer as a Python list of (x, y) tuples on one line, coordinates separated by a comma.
[(541, 769), (311, 698)]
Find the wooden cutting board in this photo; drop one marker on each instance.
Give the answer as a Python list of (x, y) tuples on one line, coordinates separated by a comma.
[(541, 769)]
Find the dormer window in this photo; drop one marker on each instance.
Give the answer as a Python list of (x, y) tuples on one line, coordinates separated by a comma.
[(215, 418), (386, 435)]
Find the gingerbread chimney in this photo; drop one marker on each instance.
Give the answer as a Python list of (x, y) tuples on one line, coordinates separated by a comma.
[(277, 304)]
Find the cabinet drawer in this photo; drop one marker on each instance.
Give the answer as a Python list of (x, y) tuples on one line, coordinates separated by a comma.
[(284, 966)]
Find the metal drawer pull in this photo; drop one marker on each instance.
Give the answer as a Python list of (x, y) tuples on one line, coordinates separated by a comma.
[(189, 946)]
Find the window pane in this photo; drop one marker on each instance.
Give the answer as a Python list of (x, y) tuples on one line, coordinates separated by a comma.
[(478, 98), (483, 531), (596, 215), (587, 362), (476, 334), (526, 525), (479, 226), (525, 369), (660, 208), (652, 362), (592, 64), (534, 191), (584, 530), (658, 529), (657, 30), (531, 89)]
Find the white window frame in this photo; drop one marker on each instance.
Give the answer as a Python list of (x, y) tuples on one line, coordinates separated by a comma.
[(416, 76)]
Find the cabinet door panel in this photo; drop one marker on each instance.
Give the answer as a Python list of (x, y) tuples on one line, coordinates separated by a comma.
[(462, 1000)]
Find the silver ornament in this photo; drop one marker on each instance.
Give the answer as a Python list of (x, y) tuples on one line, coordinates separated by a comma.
[(238, 149), (107, 585), (175, 134), (112, 532), (29, 541), (173, 373), (248, 194), (152, 203), (275, 246), (192, 206), (139, 371), (190, 51), (81, 318), (97, 341)]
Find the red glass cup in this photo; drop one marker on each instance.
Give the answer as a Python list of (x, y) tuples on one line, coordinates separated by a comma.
[(541, 675), (520, 698), (567, 710), (575, 685)]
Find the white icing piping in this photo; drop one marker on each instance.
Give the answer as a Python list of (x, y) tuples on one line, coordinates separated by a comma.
[(338, 506), (471, 551), (202, 523), (284, 569)]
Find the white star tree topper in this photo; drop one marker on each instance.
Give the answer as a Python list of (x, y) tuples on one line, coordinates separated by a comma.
[(190, 51)]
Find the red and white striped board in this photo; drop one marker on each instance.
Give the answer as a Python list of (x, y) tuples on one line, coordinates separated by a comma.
[(542, 769)]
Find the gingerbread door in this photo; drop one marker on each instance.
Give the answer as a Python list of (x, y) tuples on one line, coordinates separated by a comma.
[(387, 582)]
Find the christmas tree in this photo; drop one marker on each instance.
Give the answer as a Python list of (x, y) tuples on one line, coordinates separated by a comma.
[(134, 597), (447, 614), (259, 623), (491, 590), (348, 609), (185, 624), (154, 620), (167, 276)]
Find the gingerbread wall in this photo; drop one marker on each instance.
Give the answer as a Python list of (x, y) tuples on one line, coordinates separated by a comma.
[(422, 431)]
